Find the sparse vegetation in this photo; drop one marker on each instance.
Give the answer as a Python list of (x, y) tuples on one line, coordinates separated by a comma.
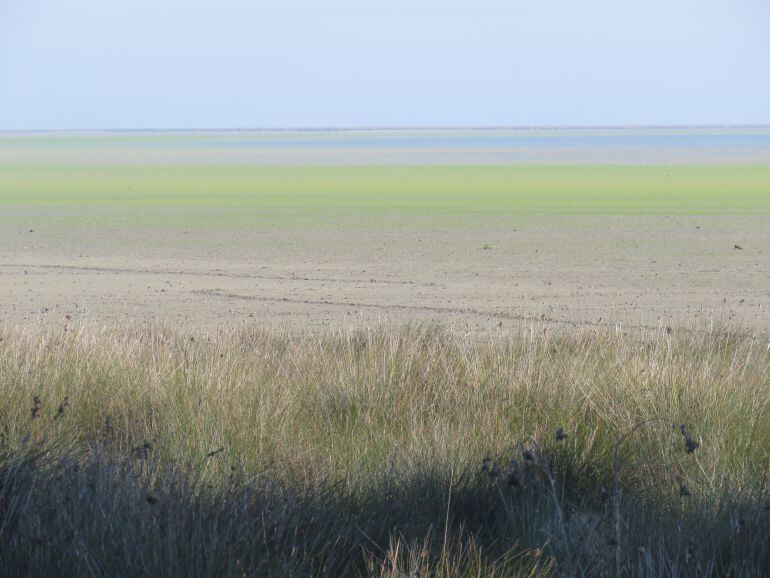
[(396, 452)]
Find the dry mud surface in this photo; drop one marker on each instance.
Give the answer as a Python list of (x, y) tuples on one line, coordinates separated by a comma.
[(565, 271)]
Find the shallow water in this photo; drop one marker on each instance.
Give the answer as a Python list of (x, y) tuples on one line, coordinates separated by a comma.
[(498, 139), (393, 147)]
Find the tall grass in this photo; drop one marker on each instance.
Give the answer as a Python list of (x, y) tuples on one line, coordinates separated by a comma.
[(395, 452)]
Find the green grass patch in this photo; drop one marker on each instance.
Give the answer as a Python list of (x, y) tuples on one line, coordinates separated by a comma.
[(265, 195)]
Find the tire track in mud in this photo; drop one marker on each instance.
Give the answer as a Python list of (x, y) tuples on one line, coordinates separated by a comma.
[(215, 273), (418, 308), (470, 311)]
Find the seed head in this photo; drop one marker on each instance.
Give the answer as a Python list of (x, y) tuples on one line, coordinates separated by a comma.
[(690, 445), (108, 429), (142, 451), (490, 467), (62, 406), (528, 456), (560, 435), (35, 407), (514, 473)]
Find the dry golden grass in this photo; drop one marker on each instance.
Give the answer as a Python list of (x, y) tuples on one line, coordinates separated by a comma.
[(385, 452)]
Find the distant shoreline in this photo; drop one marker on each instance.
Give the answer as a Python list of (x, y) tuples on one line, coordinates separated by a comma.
[(491, 128)]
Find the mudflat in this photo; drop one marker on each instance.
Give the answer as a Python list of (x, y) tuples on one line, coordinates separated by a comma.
[(87, 235)]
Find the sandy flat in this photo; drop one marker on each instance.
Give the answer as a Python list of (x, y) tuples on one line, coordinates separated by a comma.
[(632, 270)]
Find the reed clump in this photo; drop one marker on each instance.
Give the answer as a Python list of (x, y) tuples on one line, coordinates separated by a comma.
[(399, 451)]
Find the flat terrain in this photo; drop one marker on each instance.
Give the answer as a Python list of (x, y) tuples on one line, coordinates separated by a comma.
[(474, 409), (88, 233)]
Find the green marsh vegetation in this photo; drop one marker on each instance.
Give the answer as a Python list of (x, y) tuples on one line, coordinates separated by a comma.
[(393, 452), (240, 196)]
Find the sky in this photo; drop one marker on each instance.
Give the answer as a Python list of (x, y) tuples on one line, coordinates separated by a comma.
[(96, 64)]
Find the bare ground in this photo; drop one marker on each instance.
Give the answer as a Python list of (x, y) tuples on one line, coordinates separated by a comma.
[(598, 270)]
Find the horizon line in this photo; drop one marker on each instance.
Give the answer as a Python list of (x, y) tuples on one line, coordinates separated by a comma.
[(403, 128)]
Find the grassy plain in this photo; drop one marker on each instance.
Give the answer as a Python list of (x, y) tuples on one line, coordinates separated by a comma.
[(276, 196), (374, 190)]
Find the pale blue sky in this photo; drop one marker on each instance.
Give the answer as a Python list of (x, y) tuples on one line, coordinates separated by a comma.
[(302, 63)]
